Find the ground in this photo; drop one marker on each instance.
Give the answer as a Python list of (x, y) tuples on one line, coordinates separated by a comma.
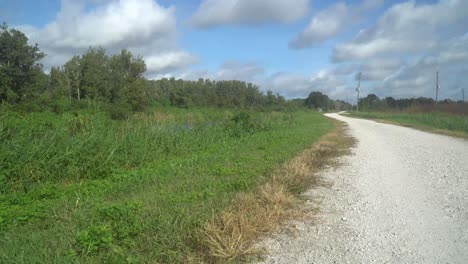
[(401, 197)]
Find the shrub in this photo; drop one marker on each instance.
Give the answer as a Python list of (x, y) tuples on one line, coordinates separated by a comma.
[(243, 124), (116, 226)]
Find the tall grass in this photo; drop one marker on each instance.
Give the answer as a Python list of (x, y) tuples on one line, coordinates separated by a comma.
[(45, 147), (79, 187), (430, 121)]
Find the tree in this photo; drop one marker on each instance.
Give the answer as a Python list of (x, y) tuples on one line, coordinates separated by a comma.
[(73, 77), (58, 88), (391, 102), (95, 74), (318, 100), (124, 70), (19, 65), (371, 102)]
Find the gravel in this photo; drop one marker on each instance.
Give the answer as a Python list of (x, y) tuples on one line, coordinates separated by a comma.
[(401, 197)]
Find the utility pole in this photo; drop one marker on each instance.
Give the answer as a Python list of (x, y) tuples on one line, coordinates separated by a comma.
[(463, 94), (437, 86), (358, 89)]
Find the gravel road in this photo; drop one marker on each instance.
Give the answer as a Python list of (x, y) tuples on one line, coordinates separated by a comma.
[(401, 197)]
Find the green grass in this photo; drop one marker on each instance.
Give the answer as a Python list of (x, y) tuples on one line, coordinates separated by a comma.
[(434, 121), (83, 188)]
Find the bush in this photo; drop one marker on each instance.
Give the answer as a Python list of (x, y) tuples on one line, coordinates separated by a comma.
[(116, 226), (243, 124)]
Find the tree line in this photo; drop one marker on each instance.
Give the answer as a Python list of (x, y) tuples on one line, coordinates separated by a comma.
[(116, 81), (373, 103)]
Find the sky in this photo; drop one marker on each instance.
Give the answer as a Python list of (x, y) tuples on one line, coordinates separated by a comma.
[(292, 47)]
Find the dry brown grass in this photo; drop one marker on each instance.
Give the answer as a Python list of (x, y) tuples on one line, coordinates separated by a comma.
[(231, 235), (460, 108), (153, 116)]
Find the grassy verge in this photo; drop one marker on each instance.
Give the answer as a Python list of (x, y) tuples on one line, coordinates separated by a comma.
[(82, 188), (231, 236), (443, 123)]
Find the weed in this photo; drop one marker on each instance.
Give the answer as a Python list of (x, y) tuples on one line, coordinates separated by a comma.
[(138, 189), (95, 239), (231, 235)]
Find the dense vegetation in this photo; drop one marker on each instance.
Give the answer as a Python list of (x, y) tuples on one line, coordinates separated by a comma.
[(429, 121), (421, 104), (114, 82), (318, 100), (99, 164), (424, 113), (86, 188)]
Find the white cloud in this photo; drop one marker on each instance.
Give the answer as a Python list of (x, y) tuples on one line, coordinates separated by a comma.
[(288, 84), (230, 70), (293, 85), (400, 55), (418, 78), (407, 28), (212, 13), (117, 23), (330, 22), (379, 69), (233, 70), (169, 61), (142, 26)]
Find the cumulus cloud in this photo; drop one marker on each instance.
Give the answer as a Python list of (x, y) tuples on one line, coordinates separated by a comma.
[(142, 26), (233, 70), (379, 69), (288, 84), (418, 78), (169, 61), (407, 28), (432, 37), (330, 22), (212, 13), (292, 85), (230, 70)]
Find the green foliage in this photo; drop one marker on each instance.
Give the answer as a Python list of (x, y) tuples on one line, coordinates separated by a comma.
[(242, 123), (118, 112), (46, 147), (94, 239), (115, 226), (105, 191), (210, 93), (19, 66), (318, 100), (373, 103), (114, 80), (87, 176), (433, 120)]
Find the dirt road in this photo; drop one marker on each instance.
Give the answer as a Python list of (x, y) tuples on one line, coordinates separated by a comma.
[(401, 197)]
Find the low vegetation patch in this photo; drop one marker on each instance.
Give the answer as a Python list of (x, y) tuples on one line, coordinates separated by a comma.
[(231, 235), (445, 123)]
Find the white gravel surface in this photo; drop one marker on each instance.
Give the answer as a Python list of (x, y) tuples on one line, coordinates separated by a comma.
[(401, 197)]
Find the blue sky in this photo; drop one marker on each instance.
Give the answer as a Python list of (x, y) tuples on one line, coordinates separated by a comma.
[(292, 47)]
